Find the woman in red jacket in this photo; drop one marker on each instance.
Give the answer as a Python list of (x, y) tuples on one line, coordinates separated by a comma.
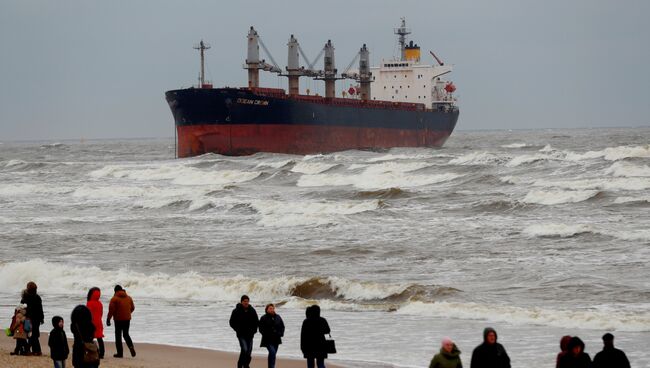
[(97, 311)]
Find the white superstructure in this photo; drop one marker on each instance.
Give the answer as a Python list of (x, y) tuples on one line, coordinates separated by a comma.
[(407, 80)]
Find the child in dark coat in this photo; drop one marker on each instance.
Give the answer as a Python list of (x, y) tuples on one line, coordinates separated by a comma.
[(58, 343)]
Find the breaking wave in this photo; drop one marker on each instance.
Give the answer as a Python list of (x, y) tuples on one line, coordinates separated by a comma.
[(611, 153), (569, 231), (559, 196), (479, 158), (56, 278), (287, 214), (176, 173), (583, 319), (624, 169)]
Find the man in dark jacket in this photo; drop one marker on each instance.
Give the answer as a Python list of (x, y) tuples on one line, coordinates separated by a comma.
[(35, 315), (490, 354), (312, 337), (120, 308), (244, 321), (610, 357)]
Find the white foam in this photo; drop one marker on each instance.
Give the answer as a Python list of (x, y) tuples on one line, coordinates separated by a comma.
[(547, 148), (301, 213), (577, 319), (370, 179), (514, 145), (478, 158), (612, 184), (274, 164), (304, 167), (622, 200), (567, 231), (611, 153), (558, 196), (559, 230), (625, 169), (176, 173), (11, 163), (25, 189)]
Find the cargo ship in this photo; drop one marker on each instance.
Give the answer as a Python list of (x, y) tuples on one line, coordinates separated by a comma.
[(409, 105)]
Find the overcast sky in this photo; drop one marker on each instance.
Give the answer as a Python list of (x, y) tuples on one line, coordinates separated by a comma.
[(99, 69)]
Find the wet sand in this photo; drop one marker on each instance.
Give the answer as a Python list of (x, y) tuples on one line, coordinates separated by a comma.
[(148, 356)]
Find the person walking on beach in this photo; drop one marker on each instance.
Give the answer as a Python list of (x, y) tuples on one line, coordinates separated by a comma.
[(120, 308), (272, 330), (97, 311), (83, 330), (35, 315), (244, 321), (58, 343), (312, 337), (610, 357), (448, 357), (490, 354), (576, 356), (18, 331), (564, 349)]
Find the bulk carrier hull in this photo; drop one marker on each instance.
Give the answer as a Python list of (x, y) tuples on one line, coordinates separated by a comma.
[(243, 121)]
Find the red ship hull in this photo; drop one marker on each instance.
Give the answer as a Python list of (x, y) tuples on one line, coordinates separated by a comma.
[(246, 139)]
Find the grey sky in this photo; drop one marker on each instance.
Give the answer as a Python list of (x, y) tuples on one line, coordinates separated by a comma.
[(91, 69)]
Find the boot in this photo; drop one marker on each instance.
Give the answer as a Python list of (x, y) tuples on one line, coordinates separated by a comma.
[(132, 350)]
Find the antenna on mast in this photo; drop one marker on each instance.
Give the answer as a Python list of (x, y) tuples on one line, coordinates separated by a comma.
[(402, 31), (202, 46)]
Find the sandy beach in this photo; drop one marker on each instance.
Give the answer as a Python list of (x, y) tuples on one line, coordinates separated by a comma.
[(149, 356)]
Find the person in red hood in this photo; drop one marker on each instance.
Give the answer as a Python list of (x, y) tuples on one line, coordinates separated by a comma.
[(97, 311), (120, 309)]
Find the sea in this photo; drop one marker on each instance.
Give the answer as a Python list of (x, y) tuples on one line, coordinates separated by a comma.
[(536, 233)]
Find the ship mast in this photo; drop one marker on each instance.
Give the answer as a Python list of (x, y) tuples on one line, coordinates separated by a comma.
[(402, 31), (202, 46)]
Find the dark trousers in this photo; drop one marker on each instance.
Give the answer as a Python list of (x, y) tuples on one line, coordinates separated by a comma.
[(122, 328), (245, 351), (273, 351), (320, 362), (102, 350), (34, 342)]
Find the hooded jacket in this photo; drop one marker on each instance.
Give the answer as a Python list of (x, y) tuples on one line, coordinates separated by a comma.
[(244, 321), (120, 307), (57, 341), (97, 311), (569, 360), (312, 334), (446, 359), (83, 330), (490, 355)]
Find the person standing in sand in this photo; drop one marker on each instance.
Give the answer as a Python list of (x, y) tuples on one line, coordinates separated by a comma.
[(272, 330), (448, 357), (244, 321), (58, 343), (312, 337), (490, 354), (97, 311), (35, 315), (120, 308), (610, 356), (83, 330), (564, 348)]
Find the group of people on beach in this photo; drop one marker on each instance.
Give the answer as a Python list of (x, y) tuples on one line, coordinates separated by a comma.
[(86, 325), (244, 321), (491, 354)]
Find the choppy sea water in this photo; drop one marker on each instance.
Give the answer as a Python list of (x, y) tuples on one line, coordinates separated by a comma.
[(536, 233)]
